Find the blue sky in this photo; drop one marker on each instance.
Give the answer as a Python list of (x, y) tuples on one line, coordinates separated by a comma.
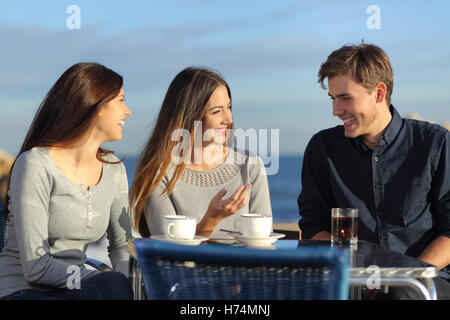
[(268, 51)]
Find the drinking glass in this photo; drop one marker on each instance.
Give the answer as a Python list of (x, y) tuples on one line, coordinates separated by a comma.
[(344, 226)]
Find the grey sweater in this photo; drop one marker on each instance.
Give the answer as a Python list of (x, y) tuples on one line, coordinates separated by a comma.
[(52, 220), (195, 189)]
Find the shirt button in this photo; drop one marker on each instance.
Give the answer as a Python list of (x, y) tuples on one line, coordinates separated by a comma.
[(376, 159)]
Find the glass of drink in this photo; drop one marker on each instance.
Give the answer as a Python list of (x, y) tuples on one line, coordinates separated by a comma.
[(344, 226)]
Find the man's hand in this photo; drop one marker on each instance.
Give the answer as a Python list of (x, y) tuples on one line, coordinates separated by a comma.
[(322, 235), (437, 252)]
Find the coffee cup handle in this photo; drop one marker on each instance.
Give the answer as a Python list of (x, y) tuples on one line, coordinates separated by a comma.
[(169, 230)]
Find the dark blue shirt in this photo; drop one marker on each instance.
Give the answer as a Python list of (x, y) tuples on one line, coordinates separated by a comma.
[(401, 188)]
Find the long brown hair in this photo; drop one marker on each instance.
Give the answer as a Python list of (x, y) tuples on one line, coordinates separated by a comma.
[(184, 103), (68, 112)]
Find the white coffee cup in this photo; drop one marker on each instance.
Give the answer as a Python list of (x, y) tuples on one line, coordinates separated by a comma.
[(254, 225), (179, 227)]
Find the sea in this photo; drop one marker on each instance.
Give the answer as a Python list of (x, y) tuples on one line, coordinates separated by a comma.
[(284, 186)]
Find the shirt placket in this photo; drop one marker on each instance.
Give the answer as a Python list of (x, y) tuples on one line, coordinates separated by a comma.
[(89, 210), (378, 191)]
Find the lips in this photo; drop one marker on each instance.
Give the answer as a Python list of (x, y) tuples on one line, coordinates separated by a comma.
[(348, 121), (221, 131), (121, 123)]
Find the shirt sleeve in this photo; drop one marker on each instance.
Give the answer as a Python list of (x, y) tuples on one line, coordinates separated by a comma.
[(259, 200), (441, 189), (156, 207), (119, 230), (29, 205), (315, 199)]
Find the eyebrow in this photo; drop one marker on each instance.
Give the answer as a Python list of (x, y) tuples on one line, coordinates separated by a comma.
[(340, 95), (218, 106)]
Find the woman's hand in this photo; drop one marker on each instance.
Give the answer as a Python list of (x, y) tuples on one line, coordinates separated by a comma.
[(219, 209)]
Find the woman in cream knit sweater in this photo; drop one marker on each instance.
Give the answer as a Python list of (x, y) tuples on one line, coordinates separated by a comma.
[(189, 166)]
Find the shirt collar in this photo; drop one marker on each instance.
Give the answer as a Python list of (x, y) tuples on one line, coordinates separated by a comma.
[(390, 133), (393, 127)]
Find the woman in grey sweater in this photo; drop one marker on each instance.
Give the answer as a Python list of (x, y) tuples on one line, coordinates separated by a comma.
[(202, 175), (65, 192)]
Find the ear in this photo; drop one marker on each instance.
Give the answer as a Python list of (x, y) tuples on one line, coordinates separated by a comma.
[(380, 91)]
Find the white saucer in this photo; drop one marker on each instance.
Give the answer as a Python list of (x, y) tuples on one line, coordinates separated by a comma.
[(197, 239), (260, 242)]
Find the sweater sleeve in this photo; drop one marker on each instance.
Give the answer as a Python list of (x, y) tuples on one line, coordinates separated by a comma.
[(157, 207), (119, 230), (259, 200), (29, 194)]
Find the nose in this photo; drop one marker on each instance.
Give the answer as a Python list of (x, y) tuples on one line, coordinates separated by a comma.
[(337, 110), (127, 111), (227, 117)]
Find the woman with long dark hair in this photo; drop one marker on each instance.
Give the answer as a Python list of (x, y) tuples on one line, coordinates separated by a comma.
[(204, 178), (65, 192)]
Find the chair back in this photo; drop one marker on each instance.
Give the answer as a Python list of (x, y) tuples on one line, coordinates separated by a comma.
[(3, 227), (212, 271)]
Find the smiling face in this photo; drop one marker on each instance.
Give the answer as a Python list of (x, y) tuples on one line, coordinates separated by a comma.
[(363, 112), (218, 116), (111, 119)]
